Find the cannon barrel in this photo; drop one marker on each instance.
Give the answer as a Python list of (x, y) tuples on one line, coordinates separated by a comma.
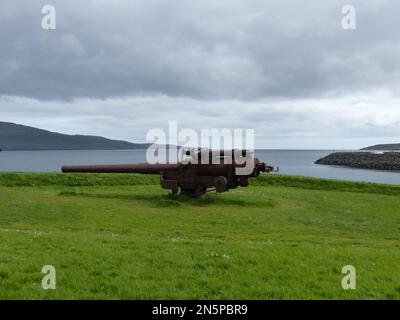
[(143, 168)]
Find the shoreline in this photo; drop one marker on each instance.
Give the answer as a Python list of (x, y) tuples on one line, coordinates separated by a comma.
[(384, 161)]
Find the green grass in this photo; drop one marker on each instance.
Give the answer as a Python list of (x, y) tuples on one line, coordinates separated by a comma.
[(15, 179), (123, 237)]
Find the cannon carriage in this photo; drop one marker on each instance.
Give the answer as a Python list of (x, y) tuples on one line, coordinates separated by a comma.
[(196, 172)]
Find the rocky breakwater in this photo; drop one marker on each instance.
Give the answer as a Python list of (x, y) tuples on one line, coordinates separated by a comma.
[(366, 160)]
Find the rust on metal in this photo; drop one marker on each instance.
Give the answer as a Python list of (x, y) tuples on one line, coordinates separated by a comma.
[(192, 177)]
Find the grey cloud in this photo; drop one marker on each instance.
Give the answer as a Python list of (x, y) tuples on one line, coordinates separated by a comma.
[(202, 50), (309, 123), (284, 68)]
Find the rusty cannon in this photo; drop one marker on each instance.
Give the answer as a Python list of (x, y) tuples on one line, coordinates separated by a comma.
[(198, 170)]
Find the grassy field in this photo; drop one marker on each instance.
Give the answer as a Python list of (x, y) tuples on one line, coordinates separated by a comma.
[(122, 236)]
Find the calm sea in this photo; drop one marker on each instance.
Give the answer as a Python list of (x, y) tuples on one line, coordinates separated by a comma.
[(296, 162)]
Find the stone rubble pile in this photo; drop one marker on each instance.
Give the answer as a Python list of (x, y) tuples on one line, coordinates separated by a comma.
[(367, 160)]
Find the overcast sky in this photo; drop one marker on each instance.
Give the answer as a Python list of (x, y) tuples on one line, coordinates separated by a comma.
[(284, 68)]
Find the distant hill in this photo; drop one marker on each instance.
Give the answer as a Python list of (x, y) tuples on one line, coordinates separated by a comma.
[(393, 146), (18, 137)]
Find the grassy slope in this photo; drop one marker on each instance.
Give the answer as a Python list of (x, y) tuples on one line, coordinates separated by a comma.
[(19, 137), (120, 236)]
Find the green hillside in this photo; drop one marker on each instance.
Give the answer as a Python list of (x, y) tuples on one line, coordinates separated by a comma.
[(19, 137), (379, 147), (123, 237)]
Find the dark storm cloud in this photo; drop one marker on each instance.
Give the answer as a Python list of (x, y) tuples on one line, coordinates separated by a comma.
[(206, 50)]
